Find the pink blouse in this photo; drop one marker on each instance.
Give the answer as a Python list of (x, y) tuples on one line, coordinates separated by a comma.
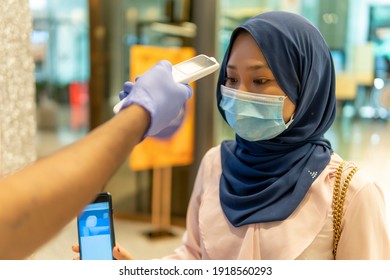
[(306, 234)]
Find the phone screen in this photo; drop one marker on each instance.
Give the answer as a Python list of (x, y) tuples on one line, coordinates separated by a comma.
[(95, 229)]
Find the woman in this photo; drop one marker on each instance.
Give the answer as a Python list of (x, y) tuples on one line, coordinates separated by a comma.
[(268, 193)]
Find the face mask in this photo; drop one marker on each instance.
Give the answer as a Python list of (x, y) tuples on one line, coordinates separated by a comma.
[(253, 116)]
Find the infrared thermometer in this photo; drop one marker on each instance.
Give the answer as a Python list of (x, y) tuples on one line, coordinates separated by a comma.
[(188, 71)]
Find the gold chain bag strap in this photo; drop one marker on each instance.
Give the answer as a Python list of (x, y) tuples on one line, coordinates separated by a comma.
[(339, 193)]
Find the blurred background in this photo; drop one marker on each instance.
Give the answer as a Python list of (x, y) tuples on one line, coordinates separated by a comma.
[(82, 58)]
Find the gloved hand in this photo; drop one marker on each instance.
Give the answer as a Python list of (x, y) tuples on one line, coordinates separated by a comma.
[(165, 99)]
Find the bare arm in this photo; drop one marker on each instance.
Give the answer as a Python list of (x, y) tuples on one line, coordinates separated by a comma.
[(36, 202), (39, 200)]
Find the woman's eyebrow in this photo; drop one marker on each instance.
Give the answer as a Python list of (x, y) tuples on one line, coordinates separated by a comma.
[(251, 67)]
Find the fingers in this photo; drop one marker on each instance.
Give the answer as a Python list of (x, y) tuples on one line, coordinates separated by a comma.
[(76, 248), (127, 87), (166, 64), (121, 254), (160, 70), (123, 94), (189, 90)]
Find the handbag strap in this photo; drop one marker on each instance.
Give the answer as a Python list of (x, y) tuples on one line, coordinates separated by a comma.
[(339, 193)]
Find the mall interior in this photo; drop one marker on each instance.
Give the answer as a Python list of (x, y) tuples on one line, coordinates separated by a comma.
[(84, 51)]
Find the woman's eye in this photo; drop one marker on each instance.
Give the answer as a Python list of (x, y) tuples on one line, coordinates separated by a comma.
[(260, 81), (230, 81)]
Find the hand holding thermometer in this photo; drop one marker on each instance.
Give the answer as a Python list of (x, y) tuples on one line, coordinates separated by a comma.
[(188, 71)]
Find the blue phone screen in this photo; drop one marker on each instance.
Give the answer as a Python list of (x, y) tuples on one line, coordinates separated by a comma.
[(94, 232)]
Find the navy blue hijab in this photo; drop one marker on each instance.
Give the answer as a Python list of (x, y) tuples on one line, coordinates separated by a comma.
[(265, 181)]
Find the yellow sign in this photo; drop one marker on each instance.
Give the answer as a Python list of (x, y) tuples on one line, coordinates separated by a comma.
[(178, 149)]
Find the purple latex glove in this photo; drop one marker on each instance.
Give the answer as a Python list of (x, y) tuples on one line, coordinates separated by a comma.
[(165, 99)]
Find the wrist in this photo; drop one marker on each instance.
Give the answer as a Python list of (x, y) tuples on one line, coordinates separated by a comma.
[(138, 116), (142, 100)]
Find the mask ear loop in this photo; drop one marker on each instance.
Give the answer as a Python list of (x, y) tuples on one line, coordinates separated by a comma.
[(290, 121), (292, 116)]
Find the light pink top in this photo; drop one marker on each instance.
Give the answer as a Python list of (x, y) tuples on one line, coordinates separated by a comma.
[(306, 234)]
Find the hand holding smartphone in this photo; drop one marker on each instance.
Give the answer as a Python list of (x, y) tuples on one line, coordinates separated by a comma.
[(188, 71), (96, 229)]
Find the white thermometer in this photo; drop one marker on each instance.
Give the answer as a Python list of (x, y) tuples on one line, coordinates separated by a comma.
[(188, 71)]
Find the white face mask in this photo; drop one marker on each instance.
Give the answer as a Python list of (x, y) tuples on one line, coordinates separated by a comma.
[(252, 116)]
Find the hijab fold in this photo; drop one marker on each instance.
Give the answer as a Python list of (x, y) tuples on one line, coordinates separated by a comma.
[(265, 181)]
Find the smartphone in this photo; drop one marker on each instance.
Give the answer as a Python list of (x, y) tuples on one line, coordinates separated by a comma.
[(95, 228), (188, 71)]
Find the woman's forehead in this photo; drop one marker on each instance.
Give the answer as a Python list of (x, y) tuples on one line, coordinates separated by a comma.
[(245, 47)]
